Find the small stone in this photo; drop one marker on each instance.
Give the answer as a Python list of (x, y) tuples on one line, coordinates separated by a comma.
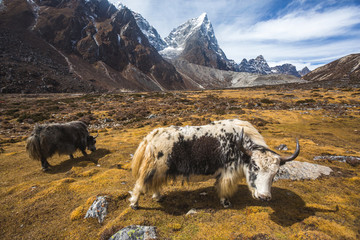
[(351, 160), (151, 116), (282, 147), (191, 212), (98, 209), (107, 120)]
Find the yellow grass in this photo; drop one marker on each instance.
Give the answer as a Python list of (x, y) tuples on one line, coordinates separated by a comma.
[(38, 205)]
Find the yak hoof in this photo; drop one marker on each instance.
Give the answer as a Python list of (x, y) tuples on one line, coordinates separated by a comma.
[(226, 203), (45, 169), (158, 197), (135, 207)]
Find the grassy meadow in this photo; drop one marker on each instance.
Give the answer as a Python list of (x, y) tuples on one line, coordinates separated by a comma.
[(52, 205)]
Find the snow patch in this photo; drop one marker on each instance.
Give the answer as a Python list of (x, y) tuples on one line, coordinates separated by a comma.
[(2, 6), (171, 52), (35, 9), (150, 32), (119, 39), (355, 67), (97, 43)]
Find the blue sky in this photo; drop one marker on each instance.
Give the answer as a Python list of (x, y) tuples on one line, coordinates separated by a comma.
[(302, 32)]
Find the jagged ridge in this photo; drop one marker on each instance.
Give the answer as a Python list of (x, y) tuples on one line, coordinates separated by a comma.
[(101, 45)]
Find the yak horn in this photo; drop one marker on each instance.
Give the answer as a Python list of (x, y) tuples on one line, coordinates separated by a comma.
[(97, 135), (241, 146), (283, 160)]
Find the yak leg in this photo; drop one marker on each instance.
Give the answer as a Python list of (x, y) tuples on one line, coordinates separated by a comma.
[(84, 152), (140, 188), (44, 164), (225, 202), (157, 196), (71, 156), (135, 194), (226, 186)]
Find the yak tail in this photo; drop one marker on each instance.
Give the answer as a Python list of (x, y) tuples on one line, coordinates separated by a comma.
[(138, 158), (33, 147), (33, 143), (143, 160)]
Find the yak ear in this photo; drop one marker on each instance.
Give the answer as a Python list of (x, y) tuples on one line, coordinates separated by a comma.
[(241, 146)]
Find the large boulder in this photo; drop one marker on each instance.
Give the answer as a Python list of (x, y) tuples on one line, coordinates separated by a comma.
[(296, 170)]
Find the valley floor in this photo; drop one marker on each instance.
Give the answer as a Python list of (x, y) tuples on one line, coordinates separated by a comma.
[(52, 205)]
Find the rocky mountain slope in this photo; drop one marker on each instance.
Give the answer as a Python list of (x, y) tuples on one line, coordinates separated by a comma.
[(90, 44), (304, 71), (210, 78), (257, 65), (286, 69), (149, 31), (347, 68), (260, 65), (195, 42)]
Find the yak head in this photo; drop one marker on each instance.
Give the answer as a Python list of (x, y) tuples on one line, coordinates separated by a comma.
[(91, 141), (261, 167)]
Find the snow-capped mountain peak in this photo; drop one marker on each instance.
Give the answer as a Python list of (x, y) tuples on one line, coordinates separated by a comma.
[(194, 30), (195, 42), (203, 20), (257, 65), (178, 36), (149, 31)]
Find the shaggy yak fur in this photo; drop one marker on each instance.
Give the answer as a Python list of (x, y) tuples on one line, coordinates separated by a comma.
[(227, 150), (64, 139)]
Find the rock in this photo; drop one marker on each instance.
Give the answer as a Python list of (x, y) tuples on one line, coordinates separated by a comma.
[(107, 120), (282, 147), (351, 160), (98, 209), (135, 232), (191, 212), (151, 116), (296, 170)]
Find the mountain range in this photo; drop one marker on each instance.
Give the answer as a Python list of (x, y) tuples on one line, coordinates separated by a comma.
[(90, 45), (195, 42), (77, 45)]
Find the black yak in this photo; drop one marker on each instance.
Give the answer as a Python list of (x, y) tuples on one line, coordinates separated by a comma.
[(61, 138), (227, 150)]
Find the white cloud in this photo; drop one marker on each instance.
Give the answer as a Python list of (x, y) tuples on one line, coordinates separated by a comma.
[(315, 54), (302, 38), (295, 26)]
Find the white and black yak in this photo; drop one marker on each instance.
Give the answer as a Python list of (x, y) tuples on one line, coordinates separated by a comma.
[(61, 138), (227, 150)]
